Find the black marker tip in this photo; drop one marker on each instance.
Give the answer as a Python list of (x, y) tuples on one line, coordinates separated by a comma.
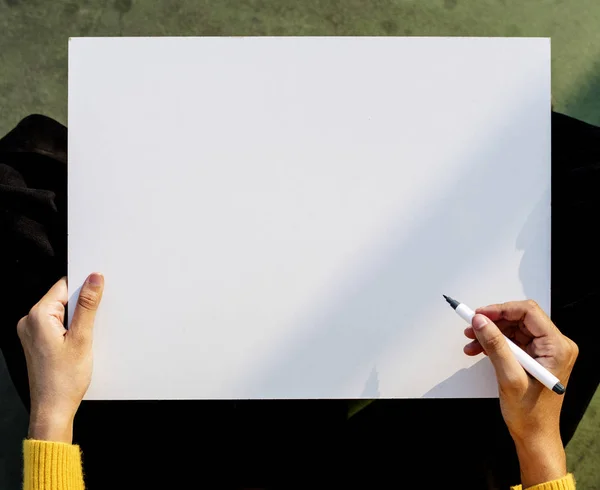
[(558, 388), (451, 301)]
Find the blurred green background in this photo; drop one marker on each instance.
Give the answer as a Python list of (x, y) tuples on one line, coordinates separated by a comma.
[(33, 79)]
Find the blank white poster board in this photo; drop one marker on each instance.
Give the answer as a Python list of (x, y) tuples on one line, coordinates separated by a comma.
[(279, 217)]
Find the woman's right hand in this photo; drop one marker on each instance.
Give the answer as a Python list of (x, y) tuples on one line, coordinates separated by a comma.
[(531, 411)]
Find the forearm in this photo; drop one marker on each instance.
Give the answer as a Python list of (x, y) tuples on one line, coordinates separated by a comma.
[(49, 427), (541, 460)]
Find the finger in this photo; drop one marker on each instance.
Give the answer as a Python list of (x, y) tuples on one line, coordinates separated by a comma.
[(57, 294), (473, 348), (89, 299), (508, 370), (544, 348), (522, 339), (526, 313), (51, 306), (510, 329)]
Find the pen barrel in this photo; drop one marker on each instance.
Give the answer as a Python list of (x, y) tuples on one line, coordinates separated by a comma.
[(533, 367), (465, 313)]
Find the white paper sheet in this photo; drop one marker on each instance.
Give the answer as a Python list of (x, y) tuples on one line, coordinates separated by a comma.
[(279, 217)]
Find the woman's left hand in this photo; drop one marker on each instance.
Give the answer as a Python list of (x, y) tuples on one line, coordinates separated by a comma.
[(59, 361)]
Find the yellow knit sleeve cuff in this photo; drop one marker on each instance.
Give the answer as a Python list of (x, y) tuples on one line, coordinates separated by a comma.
[(565, 483), (51, 466)]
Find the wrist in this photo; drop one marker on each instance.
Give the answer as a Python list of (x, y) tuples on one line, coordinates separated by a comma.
[(51, 427), (541, 459)]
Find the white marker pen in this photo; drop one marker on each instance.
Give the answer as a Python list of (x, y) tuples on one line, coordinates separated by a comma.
[(530, 365)]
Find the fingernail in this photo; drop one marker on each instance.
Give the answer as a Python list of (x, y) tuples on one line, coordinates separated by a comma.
[(479, 321), (95, 279)]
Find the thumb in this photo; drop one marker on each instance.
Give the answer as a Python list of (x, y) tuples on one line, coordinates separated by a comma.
[(87, 305), (507, 368)]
